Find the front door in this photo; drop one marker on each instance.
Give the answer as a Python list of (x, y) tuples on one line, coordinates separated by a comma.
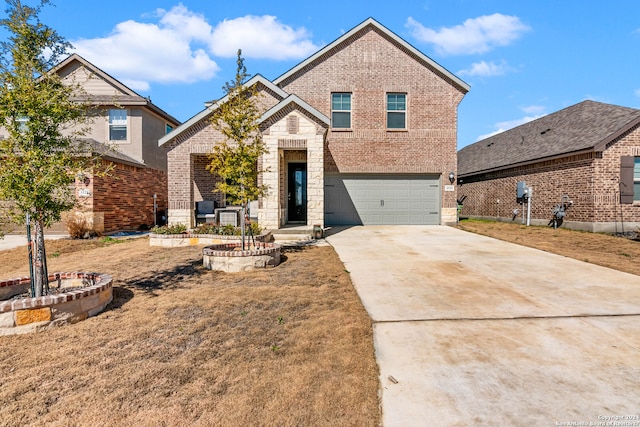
[(297, 193)]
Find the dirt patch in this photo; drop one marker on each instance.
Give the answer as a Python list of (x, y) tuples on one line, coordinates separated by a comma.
[(619, 253), (184, 346)]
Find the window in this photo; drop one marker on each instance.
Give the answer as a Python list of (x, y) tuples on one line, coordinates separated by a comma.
[(117, 125), (341, 110), (636, 179), (396, 111), (167, 128), (22, 123)]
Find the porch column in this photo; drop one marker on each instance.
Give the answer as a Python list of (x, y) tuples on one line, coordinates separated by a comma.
[(315, 180), (180, 196), (269, 212)]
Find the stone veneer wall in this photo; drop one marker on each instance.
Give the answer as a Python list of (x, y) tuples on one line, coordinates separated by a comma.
[(30, 314), (302, 143)]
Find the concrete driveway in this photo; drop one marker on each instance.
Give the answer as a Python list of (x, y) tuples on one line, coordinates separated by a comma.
[(469, 330)]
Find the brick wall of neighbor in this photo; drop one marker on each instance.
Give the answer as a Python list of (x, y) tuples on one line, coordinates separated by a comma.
[(494, 194), (590, 181), (125, 197), (607, 173), (369, 66)]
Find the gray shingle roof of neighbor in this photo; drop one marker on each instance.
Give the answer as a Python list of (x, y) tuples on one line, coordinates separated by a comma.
[(108, 152), (586, 126)]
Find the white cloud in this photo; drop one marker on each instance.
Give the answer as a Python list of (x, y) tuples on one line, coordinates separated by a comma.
[(475, 35), (485, 69), (139, 53), (534, 109), (261, 37), (509, 124), (181, 45)]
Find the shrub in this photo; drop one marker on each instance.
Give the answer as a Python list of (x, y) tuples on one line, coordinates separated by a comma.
[(206, 229), (170, 229), (224, 230), (255, 229), (78, 226), (229, 230)]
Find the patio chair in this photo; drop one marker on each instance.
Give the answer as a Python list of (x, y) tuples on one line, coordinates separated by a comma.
[(205, 211)]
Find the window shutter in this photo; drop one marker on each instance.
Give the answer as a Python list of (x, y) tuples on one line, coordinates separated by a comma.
[(626, 179)]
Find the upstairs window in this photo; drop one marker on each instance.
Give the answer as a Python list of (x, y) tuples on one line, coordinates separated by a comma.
[(396, 111), (118, 125), (22, 123), (341, 110), (167, 128)]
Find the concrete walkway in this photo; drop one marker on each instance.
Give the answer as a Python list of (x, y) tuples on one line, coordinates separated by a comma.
[(469, 330), (10, 241)]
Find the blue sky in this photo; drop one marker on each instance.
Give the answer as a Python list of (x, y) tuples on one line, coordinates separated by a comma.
[(523, 59)]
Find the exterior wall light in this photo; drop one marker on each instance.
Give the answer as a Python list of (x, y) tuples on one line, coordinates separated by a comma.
[(452, 177)]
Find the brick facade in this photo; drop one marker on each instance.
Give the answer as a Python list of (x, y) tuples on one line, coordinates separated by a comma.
[(370, 65), (368, 62), (123, 199), (590, 180)]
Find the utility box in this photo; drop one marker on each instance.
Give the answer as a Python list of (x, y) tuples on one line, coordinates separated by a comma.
[(521, 190)]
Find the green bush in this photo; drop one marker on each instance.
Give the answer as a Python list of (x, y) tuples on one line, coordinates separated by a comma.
[(224, 230), (170, 229)]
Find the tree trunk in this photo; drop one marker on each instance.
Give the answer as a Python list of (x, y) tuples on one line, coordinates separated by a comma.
[(41, 279)]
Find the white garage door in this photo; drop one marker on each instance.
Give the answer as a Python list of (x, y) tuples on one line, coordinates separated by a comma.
[(381, 199)]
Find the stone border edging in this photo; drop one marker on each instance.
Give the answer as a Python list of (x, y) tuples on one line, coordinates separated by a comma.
[(29, 314), (225, 257)]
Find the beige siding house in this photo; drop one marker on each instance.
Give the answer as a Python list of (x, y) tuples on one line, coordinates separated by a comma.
[(361, 132), (125, 129)]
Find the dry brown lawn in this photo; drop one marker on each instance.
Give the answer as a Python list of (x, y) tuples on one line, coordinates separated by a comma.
[(184, 346), (606, 250)]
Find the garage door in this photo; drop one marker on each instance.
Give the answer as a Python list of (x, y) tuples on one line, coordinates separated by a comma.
[(381, 199)]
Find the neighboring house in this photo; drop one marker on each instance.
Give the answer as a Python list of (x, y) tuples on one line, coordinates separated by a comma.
[(125, 130), (361, 132), (589, 152)]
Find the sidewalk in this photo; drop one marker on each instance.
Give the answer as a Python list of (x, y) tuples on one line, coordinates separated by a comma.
[(11, 241)]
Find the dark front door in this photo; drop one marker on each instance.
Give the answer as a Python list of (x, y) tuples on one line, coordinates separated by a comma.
[(297, 194)]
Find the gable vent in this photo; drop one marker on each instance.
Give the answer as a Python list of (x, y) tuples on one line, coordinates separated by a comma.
[(293, 124)]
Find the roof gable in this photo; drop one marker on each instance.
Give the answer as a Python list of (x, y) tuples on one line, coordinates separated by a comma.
[(294, 100), (584, 127), (95, 81), (391, 36), (210, 107), (102, 88)]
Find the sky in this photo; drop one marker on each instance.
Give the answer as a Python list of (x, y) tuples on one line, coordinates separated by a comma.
[(522, 59)]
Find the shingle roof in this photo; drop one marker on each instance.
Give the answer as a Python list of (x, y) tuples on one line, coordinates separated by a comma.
[(586, 126), (109, 152)]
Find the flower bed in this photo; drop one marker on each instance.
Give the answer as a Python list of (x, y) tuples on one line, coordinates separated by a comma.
[(78, 296), (188, 239)]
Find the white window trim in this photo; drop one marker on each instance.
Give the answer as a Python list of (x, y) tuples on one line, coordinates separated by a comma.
[(334, 129), (119, 141), (387, 111)]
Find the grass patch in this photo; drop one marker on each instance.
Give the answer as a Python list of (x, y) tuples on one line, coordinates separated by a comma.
[(602, 249), (182, 345)]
